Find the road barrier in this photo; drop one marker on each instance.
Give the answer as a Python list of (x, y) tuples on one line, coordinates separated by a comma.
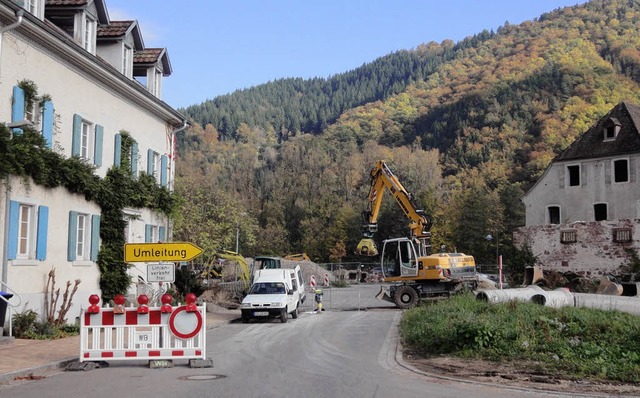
[(142, 332), (326, 280), (312, 283)]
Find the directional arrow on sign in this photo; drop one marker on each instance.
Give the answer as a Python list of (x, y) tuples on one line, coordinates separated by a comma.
[(173, 251)]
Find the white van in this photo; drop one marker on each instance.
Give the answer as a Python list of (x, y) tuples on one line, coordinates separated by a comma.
[(274, 293)]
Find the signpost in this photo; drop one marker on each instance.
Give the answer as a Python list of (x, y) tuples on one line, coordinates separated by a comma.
[(154, 252)]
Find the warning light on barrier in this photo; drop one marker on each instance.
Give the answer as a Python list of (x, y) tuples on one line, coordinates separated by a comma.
[(94, 308), (166, 303), (191, 303), (118, 302), (143, 300)]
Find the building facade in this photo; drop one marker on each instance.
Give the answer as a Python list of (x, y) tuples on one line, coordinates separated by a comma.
[(583, 212), (92, 89)]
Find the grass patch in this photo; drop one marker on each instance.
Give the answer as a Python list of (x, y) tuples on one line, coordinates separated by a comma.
[(576, 342)]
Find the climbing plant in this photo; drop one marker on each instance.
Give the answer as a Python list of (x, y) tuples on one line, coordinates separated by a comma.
[(26, 155)]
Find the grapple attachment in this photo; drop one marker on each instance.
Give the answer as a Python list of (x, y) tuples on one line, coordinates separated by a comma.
[(367, 247)]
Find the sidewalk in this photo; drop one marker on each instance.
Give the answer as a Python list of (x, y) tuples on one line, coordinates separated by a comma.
[(21, 358)]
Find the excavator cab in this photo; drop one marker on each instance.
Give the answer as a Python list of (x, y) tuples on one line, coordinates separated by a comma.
[(367, 247)]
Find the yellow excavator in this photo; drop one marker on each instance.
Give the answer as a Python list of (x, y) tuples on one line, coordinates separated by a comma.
[(242, 272), (410, 270)]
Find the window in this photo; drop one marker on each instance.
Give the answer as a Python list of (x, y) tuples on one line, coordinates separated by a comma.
[(553, 214), (84, 237), (127, 61), (27, 231), (89, 34), (33, 7), (573, 173), (600, 211), (154, 233), (611, 129), (157, 83), (568, 236), (81, 234), (33, 112), (87, 140), (621, 170), (622, 235)]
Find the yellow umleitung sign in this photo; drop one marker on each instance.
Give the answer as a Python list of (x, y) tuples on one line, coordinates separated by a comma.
[(146, 252)]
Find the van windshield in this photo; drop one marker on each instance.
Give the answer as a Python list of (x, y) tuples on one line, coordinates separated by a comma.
[(268, 288)]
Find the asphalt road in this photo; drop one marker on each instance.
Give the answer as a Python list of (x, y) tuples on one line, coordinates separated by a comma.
[(338, 353)]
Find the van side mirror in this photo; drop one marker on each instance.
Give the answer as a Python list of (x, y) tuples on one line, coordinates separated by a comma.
[(290, 292)]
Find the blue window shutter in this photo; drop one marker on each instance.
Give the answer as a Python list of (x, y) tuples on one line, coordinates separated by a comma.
[(147, 233), (73, 236), (14, 211), (17, 108), (117, 150), (75, 141), (43, 227), (150, 162), (163, 170), (47, 123), (97, 146), (134, 159), (162, 232), (95, 236)]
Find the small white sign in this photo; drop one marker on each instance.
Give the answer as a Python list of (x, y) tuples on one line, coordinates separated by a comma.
[(161, 272), (143, 339)]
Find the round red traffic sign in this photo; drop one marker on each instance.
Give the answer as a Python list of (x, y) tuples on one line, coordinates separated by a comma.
[(183, 324)]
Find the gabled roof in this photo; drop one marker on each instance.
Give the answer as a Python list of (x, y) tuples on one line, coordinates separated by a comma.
[(150, 57), (591, 144), (118, 30), (103, 15)]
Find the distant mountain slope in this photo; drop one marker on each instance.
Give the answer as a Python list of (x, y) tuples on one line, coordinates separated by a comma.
[(308, 105)]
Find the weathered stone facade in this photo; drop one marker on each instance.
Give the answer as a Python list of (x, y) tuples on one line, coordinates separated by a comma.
[(598, 249)]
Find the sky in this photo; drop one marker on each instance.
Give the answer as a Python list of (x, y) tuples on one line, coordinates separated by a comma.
[(219, 46)]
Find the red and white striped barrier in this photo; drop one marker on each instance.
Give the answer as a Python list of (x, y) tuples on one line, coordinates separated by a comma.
[(326, 280), (143, 333), (312, 283)]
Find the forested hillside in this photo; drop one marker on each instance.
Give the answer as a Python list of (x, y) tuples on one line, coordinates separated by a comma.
[(467, 128)]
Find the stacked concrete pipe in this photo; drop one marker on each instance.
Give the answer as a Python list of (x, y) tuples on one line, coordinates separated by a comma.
[(561, 298)]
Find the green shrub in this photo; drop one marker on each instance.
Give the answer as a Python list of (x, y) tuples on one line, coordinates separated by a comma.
[(579, 342)]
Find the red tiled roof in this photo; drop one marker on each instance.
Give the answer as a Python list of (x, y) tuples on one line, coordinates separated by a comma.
[(114, 29), (66, 2), (148, 55)]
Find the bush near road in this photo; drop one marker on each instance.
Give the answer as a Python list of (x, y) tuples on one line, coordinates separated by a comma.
[(570, 342)]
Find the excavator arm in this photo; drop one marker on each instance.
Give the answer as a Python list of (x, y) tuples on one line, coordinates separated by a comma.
[(382, 179)]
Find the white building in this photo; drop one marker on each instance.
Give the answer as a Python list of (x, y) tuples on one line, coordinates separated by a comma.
[(97, 99), (583, 212)]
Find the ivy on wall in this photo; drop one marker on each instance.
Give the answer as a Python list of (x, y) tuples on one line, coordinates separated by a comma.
[(26, 155)]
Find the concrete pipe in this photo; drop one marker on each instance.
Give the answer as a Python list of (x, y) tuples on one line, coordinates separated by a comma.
[(555, 298), (506, 295), (629, 305)]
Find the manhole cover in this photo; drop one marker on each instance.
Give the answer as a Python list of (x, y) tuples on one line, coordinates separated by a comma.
[(202, 377)]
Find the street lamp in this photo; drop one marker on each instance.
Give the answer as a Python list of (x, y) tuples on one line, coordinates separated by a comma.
[(498, 257)]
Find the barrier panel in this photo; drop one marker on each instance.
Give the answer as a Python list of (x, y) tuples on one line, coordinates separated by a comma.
[(143, 333)]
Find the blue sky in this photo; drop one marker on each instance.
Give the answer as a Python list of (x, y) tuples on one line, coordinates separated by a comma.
[(219, 46)]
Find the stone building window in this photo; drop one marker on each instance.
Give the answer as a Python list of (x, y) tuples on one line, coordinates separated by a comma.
[(622, 235), (568, 236)]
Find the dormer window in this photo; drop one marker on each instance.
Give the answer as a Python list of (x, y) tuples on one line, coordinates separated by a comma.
[(611, 129), (35, 7), (127, 61)]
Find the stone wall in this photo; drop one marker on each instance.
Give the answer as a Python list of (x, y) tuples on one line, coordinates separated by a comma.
[(594, 253)]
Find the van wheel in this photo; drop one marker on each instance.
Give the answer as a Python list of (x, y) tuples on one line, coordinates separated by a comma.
[(284, 315), (245, 319), (294, 314)]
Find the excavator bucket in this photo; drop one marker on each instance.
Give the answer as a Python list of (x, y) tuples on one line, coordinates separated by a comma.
[(532, 275), (384, 294), (367, 247)]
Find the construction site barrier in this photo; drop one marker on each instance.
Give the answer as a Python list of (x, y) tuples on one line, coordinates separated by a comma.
[(142, 332)]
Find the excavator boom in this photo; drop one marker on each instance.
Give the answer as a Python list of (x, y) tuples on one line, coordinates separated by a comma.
[(382, 179)]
